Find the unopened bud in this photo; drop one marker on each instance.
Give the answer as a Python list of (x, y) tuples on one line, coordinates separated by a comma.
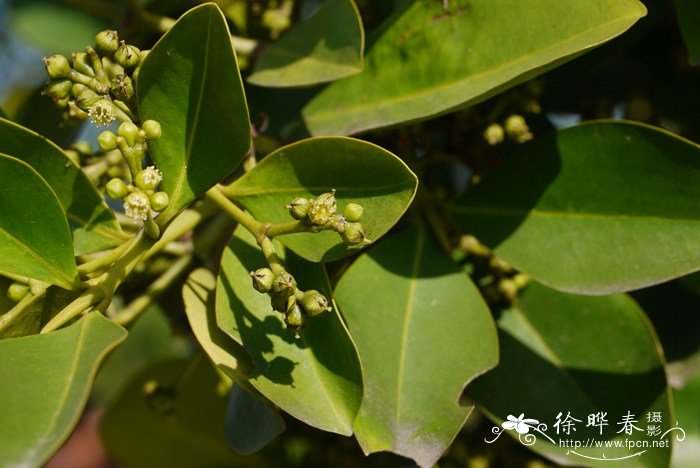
[(17, 291), (82, 147), (129, 132), (107, 141), (117, 189), (494, 134), (315, 303), (521, 280), (122, 87), (299, 208), (87, 99), (152, 129), (57, 66), (81, 64), (508, 288), (59, 89), (73, 156), (322, 209), (353, 234), (262, 279), (284, 284), (294, 318), (353, 212), (107, 42), (159, 201), (280, 301), (127, 56), (77, 89)]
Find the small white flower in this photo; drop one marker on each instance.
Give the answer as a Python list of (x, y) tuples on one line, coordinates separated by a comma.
[(521, 425), (152, 176), (101, 113), (137, 206)]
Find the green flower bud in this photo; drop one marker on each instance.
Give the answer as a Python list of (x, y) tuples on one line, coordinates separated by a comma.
[(17, 291), (501, 265), (353, 212), (322, 209), (148, 179), (115, 171), (129, 132), (315, 303), (159, 201), (87, 99), (152, 129), (77, 89), (127, 56), (83, 147), (73, 156), (117, 189), (298, 208), (280, 301), (57, 66), (122, 87), (354, 234), (59, 89), (75, 112), (494, 134), (107, 141), (262, 279), (81, 63), (294, 318), (517, 129), (284, 284), (521, 280), (508, 288), (107, 42)]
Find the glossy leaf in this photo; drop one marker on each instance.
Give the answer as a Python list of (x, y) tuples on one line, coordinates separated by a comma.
[(198, 295), (180, 423), (46, 381), (93, 225), (326, 47), (35, 239), (423, 332), (150, 340), (689, 20), (250, 423), (315, 378), (190, 83), (578, 355), (426, 60), (360, 172), (596, 209), (31, 319)]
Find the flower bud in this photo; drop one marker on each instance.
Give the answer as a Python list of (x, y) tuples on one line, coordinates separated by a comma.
[(152, 129), (115, 171), (354, 234), (59, 89), (117, 189), (77, 89), (17, 291), (75, 112), (107, 141), (82, 147), (294, 318), (353, 212), (494, 134), (284, 284), (262, 279), (73, 156), (315, 303), (107, 42), (81, 64), (299, 208), (137, 205), (280, 301), (129, 132), (159, 201), (521, 280), (508, 288), (102, 112), (127, 56), (322, 209), (148, 179), (517, 129), (57, 66), (87, 99), (122, 87)]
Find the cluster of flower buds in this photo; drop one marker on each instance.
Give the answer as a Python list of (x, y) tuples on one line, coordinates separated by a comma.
[(99, 83), (321, 214), (131, 142), (515, 128), (295, 305), (141, 197)]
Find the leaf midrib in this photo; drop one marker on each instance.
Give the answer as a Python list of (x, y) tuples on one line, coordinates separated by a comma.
[(250, 192)]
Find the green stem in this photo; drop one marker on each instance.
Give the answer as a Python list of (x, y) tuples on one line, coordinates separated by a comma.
[(154, 291), (107, 259), (19, 308), (255, 227), (185, 222), (271, 256)]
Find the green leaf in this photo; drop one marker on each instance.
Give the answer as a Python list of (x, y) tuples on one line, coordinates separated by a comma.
[(37, 313), (596, 209), (686, 400), (422, 331), (198, 295), (315, 378), (150, 340), (190, 83), (46, 381), (35, 239), (3, 115), (56, 27), (578, 355), (360, 172), (689, 20), (93, 224), (250, 423), (426, 60), (180, 423), (326, 47)]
